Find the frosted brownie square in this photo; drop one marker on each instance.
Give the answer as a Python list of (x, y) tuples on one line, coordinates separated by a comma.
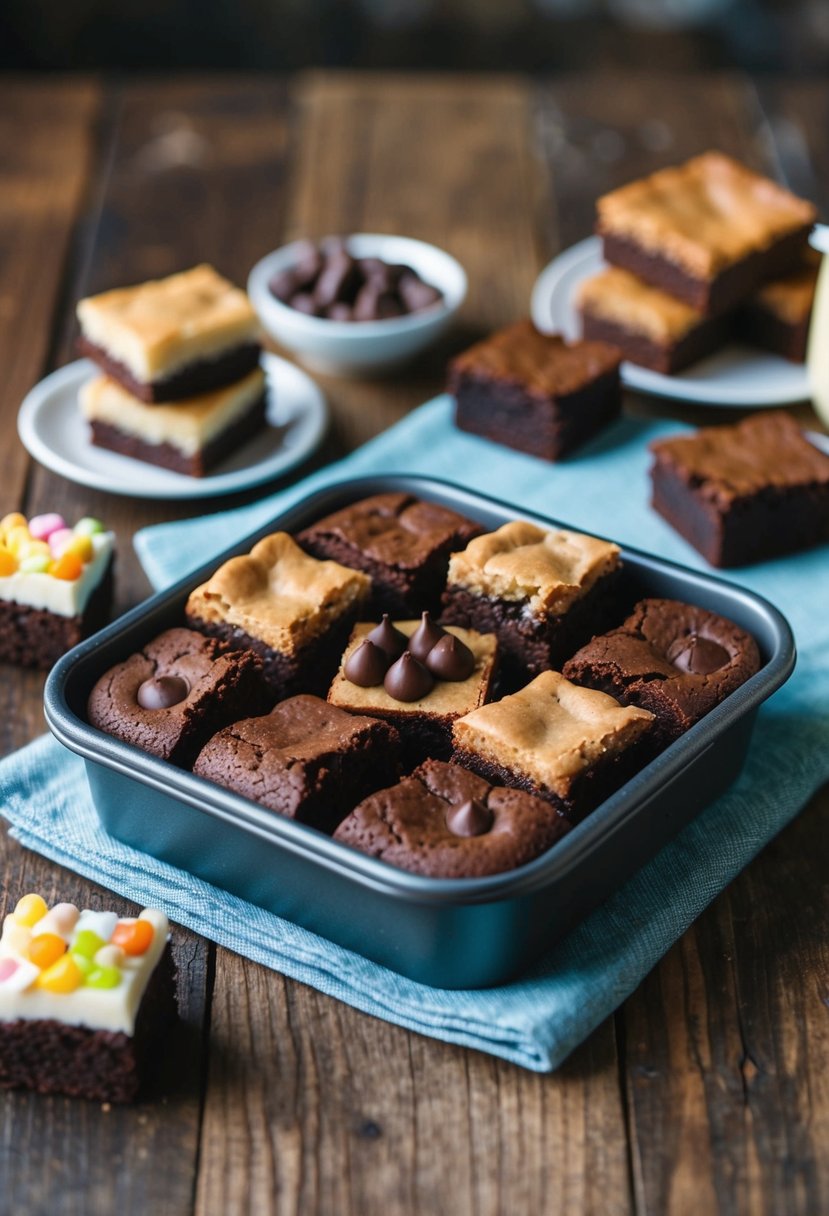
[(708, 231), (172, 338), (189, 437), (777, 316), (420, 689), (292, 610), (542, 591), (573, 746)]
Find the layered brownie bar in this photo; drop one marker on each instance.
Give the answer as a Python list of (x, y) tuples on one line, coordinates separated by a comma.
[(445, 822), (421, 684), (186, 436), (535, 392), (85, 999), (402, 542), (573, 746), (55, 586), (650, 328), (172, 338), (744, 493), (776, 318), (542, 591), (177, 692), (305, 760), (292, 610), (673, 659), (708, 231)]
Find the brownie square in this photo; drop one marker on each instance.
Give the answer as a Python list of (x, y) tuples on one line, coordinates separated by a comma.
[(67, 1033), (673, 659), (400, 541), (189, 437), (776, 318), (423, 715), (445, 822), (178, 691), (174, 338), (708, 231), (305, 759), (542, 591), (535, 392), (651, 328), (293, 611), (573, 746), (743, 493)]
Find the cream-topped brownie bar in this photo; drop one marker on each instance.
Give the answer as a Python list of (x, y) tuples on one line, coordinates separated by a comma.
[(650, 327), (425, 679), (573, 746), (83, 996), (188, 437), (172, 338), (288, 607), (542, 591), (55, 585), (708, 231)]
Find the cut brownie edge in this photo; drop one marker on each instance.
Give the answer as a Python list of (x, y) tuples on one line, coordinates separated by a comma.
[(667, 358), (36, 637), (726, 289), (201, 376), (168, 456)]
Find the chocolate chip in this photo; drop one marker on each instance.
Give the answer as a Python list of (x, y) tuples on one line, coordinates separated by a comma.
[(303, 302), (407, 679), (307, 266), (416, 294), (339, 312), (470, 818), (283, 285), (161, 692), (388, 638), (337, 280), (375, 303), (697, 655), (425, 637), (450, 659), (367, 665)]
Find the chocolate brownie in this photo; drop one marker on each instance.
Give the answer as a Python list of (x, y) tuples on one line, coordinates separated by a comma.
[(87, 1000), (675, 660), (433, 678), (743, 493), (542, 591), (445, 822), (535, 392), (573, 746), (189, 437), (292, 610), (651, 328), (306, 760), (776, 318), (178, 691), (708, 232), (400, 541), (171, 339)]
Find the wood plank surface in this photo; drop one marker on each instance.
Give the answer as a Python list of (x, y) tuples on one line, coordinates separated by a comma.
[(708, 1091)]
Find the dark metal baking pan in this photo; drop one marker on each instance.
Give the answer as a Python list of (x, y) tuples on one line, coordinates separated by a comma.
[(458, 933)]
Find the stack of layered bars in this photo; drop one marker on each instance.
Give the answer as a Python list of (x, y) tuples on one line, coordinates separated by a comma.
[(182, 386), (700, 255)]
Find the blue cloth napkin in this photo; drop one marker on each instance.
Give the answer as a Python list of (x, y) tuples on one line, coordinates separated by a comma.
[(538, 1020)]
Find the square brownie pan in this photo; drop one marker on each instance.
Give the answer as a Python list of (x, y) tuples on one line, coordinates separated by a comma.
[(449, 933)]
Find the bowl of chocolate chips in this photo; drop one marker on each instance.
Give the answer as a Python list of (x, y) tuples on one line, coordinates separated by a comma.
[(359, 304)]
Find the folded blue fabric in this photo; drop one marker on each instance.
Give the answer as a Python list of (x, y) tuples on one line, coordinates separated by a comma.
[(538, 1020)]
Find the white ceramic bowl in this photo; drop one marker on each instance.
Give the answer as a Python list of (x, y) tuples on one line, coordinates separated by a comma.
[(361, 347)]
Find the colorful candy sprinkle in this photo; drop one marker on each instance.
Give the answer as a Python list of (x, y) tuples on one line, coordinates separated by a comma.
[(133, 936), (30, 909), (104, 977), (110, 956), (60, 919), (86, 943), (88, 526), (36, 564), (102, 923), (8, 966), (68, 567), (42, 526), (59, 540), (62, 976), (19, 977), (13, 520), (46, 949), (8, 562)]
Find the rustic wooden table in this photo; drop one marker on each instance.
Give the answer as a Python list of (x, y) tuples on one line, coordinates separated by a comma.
[(708, 1091)]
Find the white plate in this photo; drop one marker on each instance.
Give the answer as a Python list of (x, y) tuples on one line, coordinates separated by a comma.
[(52, 430), (735, 376)]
